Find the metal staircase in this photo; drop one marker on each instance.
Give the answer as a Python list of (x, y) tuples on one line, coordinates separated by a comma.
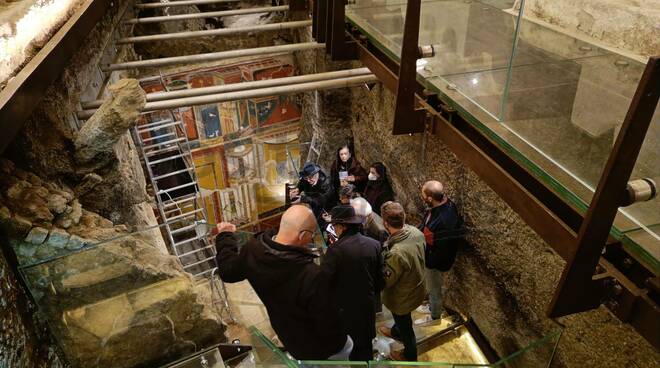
[(165, 150)]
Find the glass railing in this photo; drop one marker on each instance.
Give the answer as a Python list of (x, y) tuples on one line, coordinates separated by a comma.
[(123, 301), (537, 354), (553, 101)]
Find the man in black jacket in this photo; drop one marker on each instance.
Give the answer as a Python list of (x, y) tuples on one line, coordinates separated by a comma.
[(315, 189), (355, 268), (443, 230), (301, 306)]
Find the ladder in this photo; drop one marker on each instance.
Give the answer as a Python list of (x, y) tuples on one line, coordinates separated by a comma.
[(314, 149), (163, 145)]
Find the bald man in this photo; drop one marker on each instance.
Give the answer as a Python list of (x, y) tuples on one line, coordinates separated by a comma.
[(443, 228), (281, 269)]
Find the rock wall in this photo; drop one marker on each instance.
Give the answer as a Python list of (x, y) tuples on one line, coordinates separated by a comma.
[(625, 24), (21, 334), (505, 278)]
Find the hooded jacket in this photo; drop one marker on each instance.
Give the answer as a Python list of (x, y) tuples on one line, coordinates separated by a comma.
[(378, 191), (353, 167), (295, 291), (404, 271)]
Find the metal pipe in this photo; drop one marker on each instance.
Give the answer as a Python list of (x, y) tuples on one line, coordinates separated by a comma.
[(181, 3), (212, 56), (234, 87), (253, 93), (224, 13), (216, 32), (641, 190)]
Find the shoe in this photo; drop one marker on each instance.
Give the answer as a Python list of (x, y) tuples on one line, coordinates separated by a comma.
[(386, 331), (397, 355), (426, 320), (424, 308)]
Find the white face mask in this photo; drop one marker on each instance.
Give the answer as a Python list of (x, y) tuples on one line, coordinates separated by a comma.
[(372, 176)]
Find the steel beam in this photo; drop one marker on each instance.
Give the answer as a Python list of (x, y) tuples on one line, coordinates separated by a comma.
[(215, 14), (212, 56), (169, 4), (26, 90), (215, 32), (577, 290), (408, 119), (243, 86), (253, 93)]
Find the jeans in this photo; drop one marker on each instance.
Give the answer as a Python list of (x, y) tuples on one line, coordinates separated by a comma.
[(434, 287), (403, 331), (345, 352)]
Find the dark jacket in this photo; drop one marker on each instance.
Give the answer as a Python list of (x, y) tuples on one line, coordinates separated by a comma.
[(300, 305), (353, 167), (354, 266), (320, 196), (444, 232), (378, 191)]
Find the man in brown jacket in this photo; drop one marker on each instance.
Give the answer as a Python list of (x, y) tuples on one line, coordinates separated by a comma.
[(404, 278)]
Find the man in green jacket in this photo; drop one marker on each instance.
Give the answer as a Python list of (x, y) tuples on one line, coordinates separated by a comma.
[(404, 278)]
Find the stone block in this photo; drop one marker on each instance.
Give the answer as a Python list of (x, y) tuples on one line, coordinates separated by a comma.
[(19, 227), (76, 242), (57, 203), (37, 235), (58, 238), (15, 192)]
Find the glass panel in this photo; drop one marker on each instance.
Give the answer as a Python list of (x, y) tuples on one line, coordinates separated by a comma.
[(266, 353), (469, 37), (104, 301), (554, 102), (537, 354)]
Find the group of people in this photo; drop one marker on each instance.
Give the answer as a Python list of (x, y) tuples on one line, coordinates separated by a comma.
[(327, 310)]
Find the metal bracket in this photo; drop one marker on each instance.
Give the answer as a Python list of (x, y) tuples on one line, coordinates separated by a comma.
[(408, 119), (578, 290)]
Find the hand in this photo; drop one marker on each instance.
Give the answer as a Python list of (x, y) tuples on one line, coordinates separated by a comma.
[(225, 227), (350, 178), (343, 183)]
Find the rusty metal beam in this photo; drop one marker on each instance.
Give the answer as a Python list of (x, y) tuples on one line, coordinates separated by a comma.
[(408, 119), (547, 213), (577, 290), (26, 90), (481, 155)]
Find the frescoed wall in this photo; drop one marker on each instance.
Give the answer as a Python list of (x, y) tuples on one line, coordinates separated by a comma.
[(239, 148)]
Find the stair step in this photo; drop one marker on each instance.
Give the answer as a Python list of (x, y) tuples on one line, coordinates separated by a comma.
[(161, 160), (198, 262), (163, 191), (183, 229), (158, 137), (156, 127), (184, 215), (196, 250), (172, 141), (172, 173)]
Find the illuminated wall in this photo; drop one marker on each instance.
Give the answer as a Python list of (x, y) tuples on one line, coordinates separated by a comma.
[(239, 147)]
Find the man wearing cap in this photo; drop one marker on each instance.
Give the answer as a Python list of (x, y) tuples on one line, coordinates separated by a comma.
[(354, 267), (315, 189)]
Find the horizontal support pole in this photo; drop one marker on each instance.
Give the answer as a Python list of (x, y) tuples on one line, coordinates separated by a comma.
[(254, 93), (234, 87), (212, 56), (216, 32), (215, 14), (181, 3)]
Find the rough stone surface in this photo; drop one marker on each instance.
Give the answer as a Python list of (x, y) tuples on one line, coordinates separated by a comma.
[(21, 335), (37, 235), (624, 24), (504, 280), (118, 113)]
